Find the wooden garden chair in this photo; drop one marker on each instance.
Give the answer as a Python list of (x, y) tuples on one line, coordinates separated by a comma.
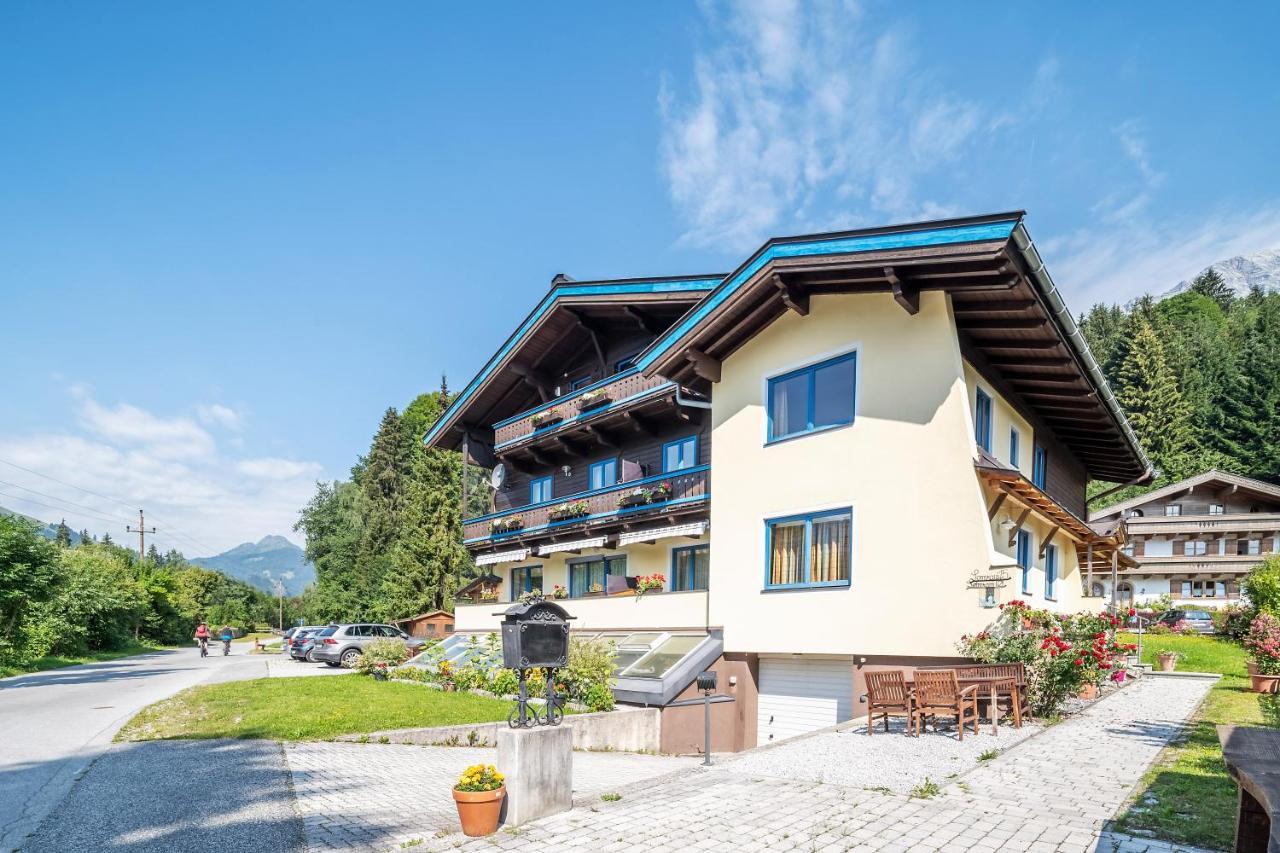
[(1011, 686), (887, 694), (938, 692)]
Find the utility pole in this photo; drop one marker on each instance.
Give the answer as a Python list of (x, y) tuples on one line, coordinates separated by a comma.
[(280, 592), (142, 532)]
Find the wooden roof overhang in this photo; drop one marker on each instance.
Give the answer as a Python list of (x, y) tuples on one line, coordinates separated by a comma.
[(1010, 485), (1004, 312), (1219, 484), (576, 319)]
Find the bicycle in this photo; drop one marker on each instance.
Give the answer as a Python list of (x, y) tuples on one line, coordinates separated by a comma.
[(204, 647)]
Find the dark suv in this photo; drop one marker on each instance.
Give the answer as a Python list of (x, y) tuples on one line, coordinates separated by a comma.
[(342, 645)]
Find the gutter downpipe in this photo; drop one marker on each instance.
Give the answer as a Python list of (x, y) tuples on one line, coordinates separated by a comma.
[(1062, 317)]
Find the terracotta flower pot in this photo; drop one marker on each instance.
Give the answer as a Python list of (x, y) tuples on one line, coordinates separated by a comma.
[(1089, 691), (479, 810), (1168, 662)]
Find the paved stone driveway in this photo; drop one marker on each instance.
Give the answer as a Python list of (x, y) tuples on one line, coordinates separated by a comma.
[(374, 797), (1053, 792)]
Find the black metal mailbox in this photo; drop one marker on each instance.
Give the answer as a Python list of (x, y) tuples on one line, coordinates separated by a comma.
[(535, 636)]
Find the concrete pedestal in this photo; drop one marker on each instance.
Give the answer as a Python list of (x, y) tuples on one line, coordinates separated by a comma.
[(538, 765)]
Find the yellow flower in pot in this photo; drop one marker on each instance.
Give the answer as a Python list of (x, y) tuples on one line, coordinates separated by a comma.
[(478, 796)]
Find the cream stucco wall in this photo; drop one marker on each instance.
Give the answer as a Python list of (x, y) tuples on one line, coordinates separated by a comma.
[(1004, 419), (1068, 590), (667, 610), (905, 467)]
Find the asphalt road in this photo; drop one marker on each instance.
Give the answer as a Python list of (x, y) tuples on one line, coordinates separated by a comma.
[(54, 724)]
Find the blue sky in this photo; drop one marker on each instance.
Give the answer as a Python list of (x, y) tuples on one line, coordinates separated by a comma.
[(232, 234)]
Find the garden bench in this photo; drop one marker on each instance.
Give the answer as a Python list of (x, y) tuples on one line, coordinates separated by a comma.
[(1252, 756)]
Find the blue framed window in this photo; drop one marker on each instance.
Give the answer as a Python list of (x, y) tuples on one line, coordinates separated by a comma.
[(809, 550), (525, 579), (681, 453), (1050, 571), (580, 382), (813, 398), (1023, 556), (540, 490), (625, 363), (1013, 446), (592, 576), (982, 420), (1039, 465), (602, 474), (690, 568)]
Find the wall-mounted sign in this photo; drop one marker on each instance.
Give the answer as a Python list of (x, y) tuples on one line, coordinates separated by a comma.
[(980, 580)]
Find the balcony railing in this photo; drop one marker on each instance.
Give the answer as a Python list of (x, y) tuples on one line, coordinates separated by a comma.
[(1195, 524), (604, 396), (674, 490)]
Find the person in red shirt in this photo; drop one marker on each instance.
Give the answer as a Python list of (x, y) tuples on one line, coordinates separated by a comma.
[(202, 637)]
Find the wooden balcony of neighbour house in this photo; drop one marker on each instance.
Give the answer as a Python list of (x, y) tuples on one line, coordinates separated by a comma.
[(1193, 525), (596, 512), (1196, 563), (581, 410)]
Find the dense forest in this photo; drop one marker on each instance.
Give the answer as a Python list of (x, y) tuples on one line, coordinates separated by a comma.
[(387, 543), (1199, 376), (62, 599)]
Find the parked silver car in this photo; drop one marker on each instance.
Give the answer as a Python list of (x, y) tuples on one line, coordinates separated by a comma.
[(342, 645), (302, 642)]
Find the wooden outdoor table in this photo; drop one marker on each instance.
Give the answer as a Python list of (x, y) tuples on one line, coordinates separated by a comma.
[(992, 682), (1252, 756)]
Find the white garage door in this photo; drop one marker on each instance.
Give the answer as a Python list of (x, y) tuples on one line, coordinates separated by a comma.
[(798, 696)]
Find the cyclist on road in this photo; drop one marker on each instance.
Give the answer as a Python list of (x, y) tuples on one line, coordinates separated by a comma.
[(202, 637), (227, 635)]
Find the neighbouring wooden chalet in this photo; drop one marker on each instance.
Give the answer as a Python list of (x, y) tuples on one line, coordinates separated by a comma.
[(1195, 539), (901, 422), (435, 623)]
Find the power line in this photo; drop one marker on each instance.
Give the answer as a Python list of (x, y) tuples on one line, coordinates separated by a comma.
[(51, 506), (56, 498), (172, 528)]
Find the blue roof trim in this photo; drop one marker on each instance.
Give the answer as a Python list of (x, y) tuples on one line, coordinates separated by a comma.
[(645, 286), (1001, 230)]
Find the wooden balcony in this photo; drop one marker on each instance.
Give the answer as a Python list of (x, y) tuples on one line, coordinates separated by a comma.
[(1201, 525), (579, 410), (596, 512)]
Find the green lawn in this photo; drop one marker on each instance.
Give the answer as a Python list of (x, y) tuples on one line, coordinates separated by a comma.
[(1194, 798), (57, 662), (306, 709)]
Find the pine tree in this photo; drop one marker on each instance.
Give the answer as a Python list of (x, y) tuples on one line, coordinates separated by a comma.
[(1149, 393), (63, 537), (85, 538), (153, 555), (1211, 284), (106, 539)]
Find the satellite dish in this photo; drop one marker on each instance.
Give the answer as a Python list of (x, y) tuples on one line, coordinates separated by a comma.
[(498, 477)]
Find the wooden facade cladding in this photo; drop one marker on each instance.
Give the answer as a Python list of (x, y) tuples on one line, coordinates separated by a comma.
[(603, 511), (571, 412), (1201, 526)]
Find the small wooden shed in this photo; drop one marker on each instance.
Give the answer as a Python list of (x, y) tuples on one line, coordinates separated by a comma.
[(437, 623)]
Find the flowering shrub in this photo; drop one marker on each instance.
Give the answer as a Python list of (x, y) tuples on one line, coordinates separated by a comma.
[(1263, 644), (1262, 585), (1181, 627), (570, 509), (531, 596), (1061, 652), (480, 777), (506, 525), (1233, 620), (381, 655)]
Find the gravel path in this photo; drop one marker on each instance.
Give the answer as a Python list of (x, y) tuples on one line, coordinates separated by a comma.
[(890, 761)]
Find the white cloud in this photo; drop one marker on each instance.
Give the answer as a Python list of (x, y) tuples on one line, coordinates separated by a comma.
[(216, 414), (272, 468), (201, 498), (805, 116), (1151, 256)]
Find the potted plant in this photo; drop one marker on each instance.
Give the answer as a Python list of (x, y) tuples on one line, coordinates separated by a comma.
[(593, 400), (569, 509), (1168, 659), (647, 583), (559, 592), (547, 418), (478, 795), (635, 497), (1263, 645), (506, 525), (596, 589)]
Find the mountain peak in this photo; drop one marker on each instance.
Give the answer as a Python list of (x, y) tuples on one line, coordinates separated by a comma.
[(1242, 273), (263, 563)]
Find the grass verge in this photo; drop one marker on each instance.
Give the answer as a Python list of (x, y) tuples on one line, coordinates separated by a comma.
[(306, 709), (1187, 796), (58, 661)]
